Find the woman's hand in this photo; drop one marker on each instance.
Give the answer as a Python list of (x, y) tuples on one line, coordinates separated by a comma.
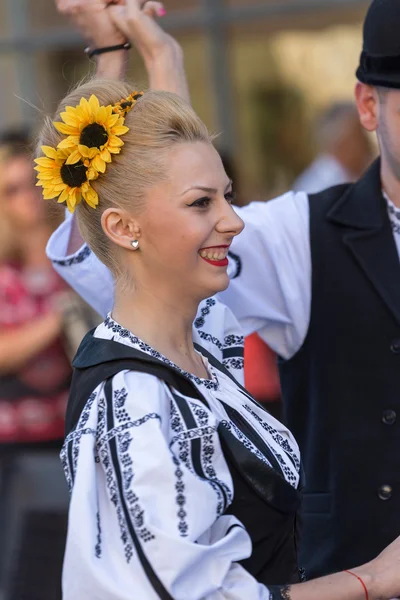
[(136, 20), (93, 21), (385, 573), (161, 53), (112, 22)]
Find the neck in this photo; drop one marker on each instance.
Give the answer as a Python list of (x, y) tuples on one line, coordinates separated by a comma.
[(164, 324), (32, 247), (390, 183)]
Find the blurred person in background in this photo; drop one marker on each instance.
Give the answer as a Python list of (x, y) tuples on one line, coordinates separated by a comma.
[(34, 369), (344, 150), (35, 375), (324, 275)]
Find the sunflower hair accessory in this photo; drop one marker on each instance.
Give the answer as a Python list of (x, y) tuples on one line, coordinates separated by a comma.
[(92, 136), (126, 104)]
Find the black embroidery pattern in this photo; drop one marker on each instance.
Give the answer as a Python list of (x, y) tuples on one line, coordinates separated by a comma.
[(238, 265), (180, 499), (68, 467), (395, 226), (65, 467), (178, 428), (125, 333), (119, 429), (97, 548), (74, 260), (245, 441), (208, 450), (233, 363), (101, 417), (233, 344), (83, 419), (121, 433), (205, 310), (207, 337), (114, 498), (193, 434), (119, 405), (277, 437), (81, 427), (200, 413), (285, 593), (233, 340), (205, 432), (394, 212), (280, 593), (394, 216)]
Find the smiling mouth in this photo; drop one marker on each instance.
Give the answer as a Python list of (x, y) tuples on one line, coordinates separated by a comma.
[(215, 255)]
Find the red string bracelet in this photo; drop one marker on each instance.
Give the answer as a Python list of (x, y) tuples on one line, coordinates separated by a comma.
[(362, 583)]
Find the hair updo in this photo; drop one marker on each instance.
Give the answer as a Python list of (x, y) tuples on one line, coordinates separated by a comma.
[(158, 121)]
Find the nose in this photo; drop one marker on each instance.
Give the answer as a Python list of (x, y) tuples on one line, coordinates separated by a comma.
[(229, 222)]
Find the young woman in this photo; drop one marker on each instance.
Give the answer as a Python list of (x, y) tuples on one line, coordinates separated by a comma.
[(182, 487)]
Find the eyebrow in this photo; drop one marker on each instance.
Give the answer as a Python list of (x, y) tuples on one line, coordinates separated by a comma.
[(206, 189)]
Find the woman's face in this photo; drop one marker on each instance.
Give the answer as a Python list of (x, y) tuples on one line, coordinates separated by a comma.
[(21, 200), (188, 225)]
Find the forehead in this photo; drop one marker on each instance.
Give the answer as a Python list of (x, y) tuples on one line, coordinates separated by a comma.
[(194, 163), (16, 166)]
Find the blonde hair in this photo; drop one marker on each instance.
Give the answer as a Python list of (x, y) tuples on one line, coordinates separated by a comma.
[(158, 121)]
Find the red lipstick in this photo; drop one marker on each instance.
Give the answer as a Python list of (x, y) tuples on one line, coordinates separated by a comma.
[(216, 263)]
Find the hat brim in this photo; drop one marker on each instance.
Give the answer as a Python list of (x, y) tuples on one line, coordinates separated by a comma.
[(389, 80)]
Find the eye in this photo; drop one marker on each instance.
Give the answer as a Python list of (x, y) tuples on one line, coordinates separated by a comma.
[(201, 202), (230, 197)]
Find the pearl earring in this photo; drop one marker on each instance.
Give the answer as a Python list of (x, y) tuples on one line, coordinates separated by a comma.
[(135, 244)]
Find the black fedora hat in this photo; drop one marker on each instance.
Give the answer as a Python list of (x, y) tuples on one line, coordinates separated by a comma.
[(380, 58)]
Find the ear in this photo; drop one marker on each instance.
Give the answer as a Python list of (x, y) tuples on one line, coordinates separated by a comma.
[(120, 227), (367, 101)]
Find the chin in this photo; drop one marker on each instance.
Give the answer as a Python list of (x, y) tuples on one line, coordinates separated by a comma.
[(219, 284)]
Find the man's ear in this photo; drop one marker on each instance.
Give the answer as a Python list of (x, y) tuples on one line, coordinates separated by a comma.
[(120, 227), (367, 100)]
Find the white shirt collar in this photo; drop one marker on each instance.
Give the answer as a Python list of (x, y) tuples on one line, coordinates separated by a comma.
[(394, 214)]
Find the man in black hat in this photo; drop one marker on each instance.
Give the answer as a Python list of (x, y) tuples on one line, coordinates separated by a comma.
[(319, 278), (340, 347), (333, 315)]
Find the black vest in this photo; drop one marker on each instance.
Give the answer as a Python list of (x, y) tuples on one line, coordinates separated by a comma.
[(342, 389), (264, 502)]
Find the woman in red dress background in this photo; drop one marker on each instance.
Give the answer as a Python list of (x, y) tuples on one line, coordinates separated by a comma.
[(34, 380), (34, 368)]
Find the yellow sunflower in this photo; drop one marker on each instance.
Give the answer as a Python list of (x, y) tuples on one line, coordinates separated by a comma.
[(92, 133), (69, 182), (126, 104)]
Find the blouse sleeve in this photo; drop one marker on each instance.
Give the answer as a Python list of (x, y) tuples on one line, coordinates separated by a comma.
[(83, 271), (270, 270), (144, 522)]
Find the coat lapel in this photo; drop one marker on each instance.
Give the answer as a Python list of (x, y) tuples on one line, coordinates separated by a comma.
[(367, 233)]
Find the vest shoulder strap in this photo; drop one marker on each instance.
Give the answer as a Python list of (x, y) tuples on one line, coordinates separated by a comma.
[(92, 372)]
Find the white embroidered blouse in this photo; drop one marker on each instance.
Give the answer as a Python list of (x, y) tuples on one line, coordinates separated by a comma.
[(144, 515)]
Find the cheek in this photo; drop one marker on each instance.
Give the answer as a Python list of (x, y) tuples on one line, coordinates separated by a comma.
[(178, 235)]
